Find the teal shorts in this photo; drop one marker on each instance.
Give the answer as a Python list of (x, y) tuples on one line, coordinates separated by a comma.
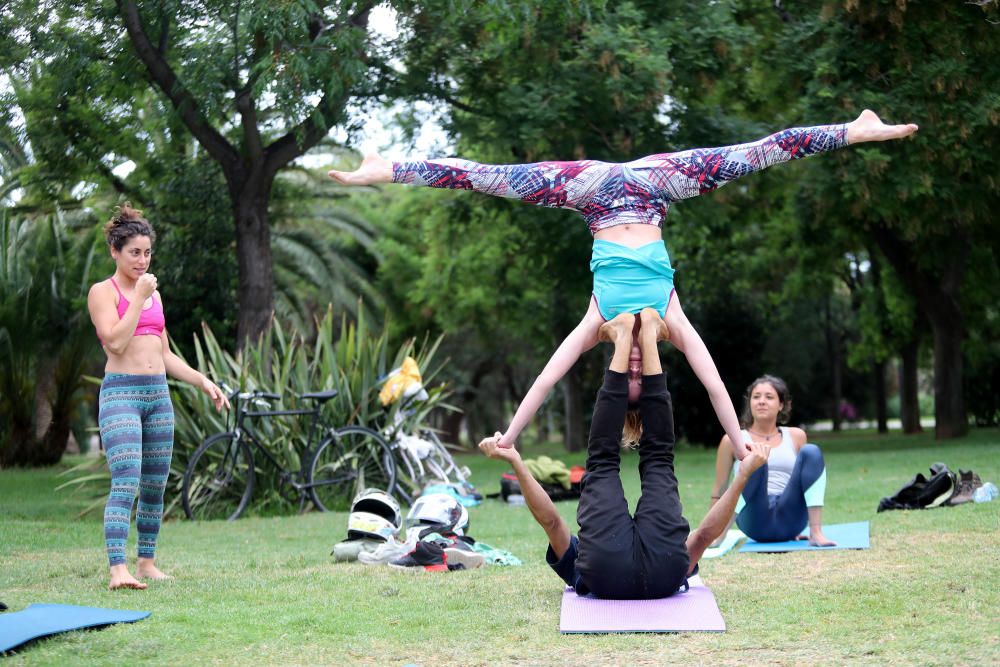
[(626, 280)]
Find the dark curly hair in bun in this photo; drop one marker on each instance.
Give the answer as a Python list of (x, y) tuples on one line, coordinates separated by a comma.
[(126, 223)]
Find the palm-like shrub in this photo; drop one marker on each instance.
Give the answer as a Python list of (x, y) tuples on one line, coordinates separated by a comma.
[(351, 358), (45, 334)]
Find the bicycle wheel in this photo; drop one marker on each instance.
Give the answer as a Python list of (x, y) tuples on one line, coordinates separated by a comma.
[(219, 479), (352, 459)]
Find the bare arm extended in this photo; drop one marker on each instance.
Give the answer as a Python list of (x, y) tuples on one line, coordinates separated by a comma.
[(684, 337), (719, 514), (580, 340), (538, 502)]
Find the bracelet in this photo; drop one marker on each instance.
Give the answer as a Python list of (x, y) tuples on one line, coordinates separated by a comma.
[(716, 497)]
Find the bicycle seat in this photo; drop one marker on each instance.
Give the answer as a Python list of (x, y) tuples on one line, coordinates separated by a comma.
[(320, 396)]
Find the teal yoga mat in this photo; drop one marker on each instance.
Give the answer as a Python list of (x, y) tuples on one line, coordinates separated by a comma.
[(733, 537), (41, 620), (846, 535)]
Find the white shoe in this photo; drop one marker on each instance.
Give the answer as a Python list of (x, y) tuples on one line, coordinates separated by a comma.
[(388, 551)]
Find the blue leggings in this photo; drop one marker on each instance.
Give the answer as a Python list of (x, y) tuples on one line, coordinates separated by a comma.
[(137, 431), (777, 518)]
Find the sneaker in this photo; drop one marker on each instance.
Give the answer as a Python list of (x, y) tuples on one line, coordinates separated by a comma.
[(351, 550), (968, 482), (425, 557), (388, 551), (469, 560)]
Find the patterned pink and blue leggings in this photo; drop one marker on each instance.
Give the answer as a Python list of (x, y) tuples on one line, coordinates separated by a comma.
[(137, 431)]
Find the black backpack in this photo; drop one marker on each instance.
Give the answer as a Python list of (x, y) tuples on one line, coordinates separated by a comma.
[(923, 493)]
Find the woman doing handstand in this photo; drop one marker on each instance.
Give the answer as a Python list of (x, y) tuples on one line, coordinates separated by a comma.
[(625, 205)]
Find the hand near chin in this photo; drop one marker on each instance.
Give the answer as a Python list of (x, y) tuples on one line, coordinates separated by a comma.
[(146, 285)]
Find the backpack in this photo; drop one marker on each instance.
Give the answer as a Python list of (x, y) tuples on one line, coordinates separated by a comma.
[(922, 492), (509, 486)]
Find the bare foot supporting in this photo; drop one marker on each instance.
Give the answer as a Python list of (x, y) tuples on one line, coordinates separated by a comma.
[(374, 169), (147, 570), (616, 328), (122, 578), (869, 127), (651, 320)]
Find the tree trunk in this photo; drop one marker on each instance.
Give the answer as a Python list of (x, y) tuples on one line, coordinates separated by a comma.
[(937, 296), (253, 251), (573, 430), (949, 402), (909, 389), (833, 354), (881, 409)]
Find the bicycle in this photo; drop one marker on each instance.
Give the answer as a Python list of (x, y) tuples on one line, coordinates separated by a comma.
[(219, 479), (421, 458)]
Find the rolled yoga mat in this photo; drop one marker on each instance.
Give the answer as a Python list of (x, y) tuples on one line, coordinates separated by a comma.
[(694, 610), (846, 535), (40, 620)]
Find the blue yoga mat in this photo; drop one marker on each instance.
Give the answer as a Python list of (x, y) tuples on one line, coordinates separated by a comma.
[(39, 620), (846, 535)]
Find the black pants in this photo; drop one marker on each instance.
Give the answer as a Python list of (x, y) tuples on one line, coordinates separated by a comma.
[(621, 556)]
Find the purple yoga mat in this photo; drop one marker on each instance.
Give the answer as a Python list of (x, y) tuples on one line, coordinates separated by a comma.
[(692, 611)]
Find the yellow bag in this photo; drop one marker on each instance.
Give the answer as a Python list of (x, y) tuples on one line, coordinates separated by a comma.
[(403, 381)]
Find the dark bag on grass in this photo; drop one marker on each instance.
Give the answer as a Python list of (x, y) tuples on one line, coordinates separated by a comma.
[(923, 493), (509, 486)]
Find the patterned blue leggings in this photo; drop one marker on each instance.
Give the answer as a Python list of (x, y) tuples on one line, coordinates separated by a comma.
[(137, 431)]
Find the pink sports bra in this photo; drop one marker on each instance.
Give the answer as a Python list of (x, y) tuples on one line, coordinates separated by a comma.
[(151, 320)]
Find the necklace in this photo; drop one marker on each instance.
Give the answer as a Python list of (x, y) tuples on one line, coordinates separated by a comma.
[(767, 438)]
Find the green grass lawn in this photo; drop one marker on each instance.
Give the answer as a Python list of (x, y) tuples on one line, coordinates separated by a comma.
[(265, 591)]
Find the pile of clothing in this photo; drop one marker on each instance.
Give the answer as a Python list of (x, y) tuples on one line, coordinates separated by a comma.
[(942, 488), (437, 537)]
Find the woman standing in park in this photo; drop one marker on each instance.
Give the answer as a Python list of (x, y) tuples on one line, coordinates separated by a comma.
[(135, 415), (787, 493), (625, 205)]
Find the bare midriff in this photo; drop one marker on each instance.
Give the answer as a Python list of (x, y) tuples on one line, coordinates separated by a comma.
[(143, 356), (632, 236)]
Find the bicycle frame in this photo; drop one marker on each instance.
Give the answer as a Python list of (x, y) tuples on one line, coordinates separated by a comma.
[(244, 428)]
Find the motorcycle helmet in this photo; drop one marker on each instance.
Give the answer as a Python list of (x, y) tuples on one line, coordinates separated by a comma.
[(440, 510), (374, 513)]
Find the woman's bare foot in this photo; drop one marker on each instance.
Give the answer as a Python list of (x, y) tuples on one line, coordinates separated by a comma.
[(612, 330), (122, 578), (869, 127), (651, 321), (374, 169), (817, 539), (147, 570)]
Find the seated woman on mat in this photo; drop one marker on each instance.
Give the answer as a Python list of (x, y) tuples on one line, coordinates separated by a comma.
[(625, 205), (785, 495), (616, 555)]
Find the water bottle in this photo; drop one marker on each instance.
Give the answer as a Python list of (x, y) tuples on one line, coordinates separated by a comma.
[(986, 493)]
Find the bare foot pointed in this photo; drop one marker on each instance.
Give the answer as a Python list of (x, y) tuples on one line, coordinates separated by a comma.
[(374, 169), (869, 127)]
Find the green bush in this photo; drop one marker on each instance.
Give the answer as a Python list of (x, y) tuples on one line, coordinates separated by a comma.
[(351, 358)]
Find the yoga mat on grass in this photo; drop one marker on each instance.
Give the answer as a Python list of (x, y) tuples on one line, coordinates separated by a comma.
[(733, 537), (694, 610), (846, 535), (40, 620)]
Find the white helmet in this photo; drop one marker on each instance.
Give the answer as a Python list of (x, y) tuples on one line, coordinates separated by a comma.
[(375, 514), (439, 510)]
